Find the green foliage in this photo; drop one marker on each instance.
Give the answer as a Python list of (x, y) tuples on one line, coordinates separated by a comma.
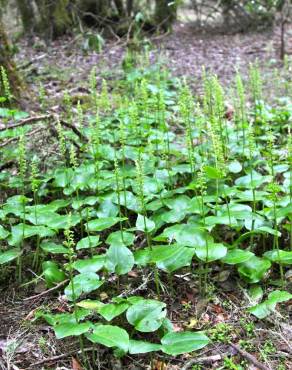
[(137, 197)]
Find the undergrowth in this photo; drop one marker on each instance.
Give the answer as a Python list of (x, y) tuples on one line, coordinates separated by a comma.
[(152, 180)]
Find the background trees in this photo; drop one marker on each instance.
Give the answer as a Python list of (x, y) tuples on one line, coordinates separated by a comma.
[(8, 68)]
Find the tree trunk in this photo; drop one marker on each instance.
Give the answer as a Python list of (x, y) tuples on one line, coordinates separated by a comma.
[(26, 11), (6, 61), (55, 17), (165, 13), (120, 8), (129, 7)]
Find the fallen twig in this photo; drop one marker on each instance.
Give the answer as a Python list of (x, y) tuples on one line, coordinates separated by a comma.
[(45, 117), (249, 357), (205, 360), (47, 291), (60, 357), (140, 287), (74, 129), (27, 121), (9, 141)]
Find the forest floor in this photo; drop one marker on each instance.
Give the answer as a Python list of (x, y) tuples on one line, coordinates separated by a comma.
[(64, 65)]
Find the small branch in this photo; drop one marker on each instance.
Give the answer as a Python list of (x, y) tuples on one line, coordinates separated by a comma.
[(249, 357), (140, 287), (205, 360), (74, 129), (27, 121), (60, 357), (47, 291), (9, 141)]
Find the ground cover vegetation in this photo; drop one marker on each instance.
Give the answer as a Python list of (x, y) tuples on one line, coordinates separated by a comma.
[(155, 201), (153, 180)]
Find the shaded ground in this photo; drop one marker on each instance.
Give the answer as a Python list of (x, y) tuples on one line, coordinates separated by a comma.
[(65, 65)]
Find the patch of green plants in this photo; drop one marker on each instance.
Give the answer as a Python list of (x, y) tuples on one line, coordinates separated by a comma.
[(152, 179)]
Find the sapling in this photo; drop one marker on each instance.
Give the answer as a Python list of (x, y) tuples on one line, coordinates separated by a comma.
[(68, 106), (5, 83), (202, 188), (74, 165), (93, 90), (80, 115), (35, 182), (274, 189), (252, 148), (42, 96), (289, 151), (123, 139), (164, 128), (241, 104), (186, 109), (256, 89), (104, 101), (61, 139), (118, 190), (69, 243), (219, 113), (141, 196), (22, 163)]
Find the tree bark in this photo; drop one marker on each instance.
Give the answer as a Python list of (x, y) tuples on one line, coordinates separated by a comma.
[(55, 17), (165, 13), (26, 11), (120, 8), (6, 61)]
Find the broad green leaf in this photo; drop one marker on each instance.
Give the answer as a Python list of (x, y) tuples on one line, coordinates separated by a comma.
[(93, 264), (51, 247), (172, 216), (195, 206), (144, 224), (254, 269), (88, 242), (128, 200), (119, 259), (112, 310), (265, 308), (107, 209), (110, 336), (20, 230), (139, 346), (63, 177), (235, 256), (172, 257), (192, 236), (52, 274), (9, 255), (220, 220), (3, 233), (211, 252), (146, 315), (82, 283), (183, 342), (71, 329), (212, 172), (281, 256), (255, 293), (120, 238), (142, 256), (253, 181), (90, 304), (180, 203), (101, 224), (235, 167)]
